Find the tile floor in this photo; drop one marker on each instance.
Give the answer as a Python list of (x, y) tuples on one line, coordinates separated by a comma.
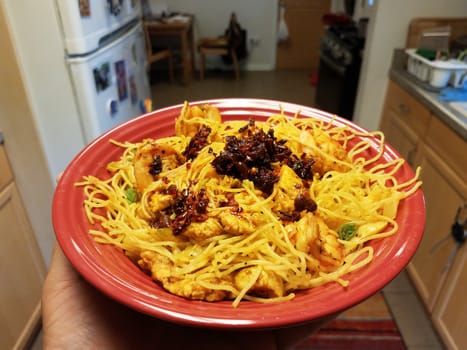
[(290, 86), (410, 315), (294, 86)]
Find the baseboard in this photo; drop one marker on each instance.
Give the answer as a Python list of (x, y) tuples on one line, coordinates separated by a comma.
[(243, 67), (259, 67)]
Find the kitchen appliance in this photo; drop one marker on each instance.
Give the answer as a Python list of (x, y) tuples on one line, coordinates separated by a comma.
[(339, 69), (105, 56)]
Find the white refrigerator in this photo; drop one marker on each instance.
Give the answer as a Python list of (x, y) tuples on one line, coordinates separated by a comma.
[(105, 57)]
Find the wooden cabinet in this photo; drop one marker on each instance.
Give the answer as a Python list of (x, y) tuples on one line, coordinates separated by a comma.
[(445, 192), (426, 141), (22, 269), (404, 121), (5, 172), (449, 314)]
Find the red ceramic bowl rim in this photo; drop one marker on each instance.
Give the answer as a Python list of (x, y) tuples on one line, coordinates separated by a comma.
[(111, 272)]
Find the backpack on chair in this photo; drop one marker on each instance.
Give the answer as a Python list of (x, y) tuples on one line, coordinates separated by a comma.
[(236, 37)]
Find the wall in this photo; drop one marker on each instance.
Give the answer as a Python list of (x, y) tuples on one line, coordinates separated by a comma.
[(38, 114), (387, 30), (40, 53), (258, 17), (22, 142)]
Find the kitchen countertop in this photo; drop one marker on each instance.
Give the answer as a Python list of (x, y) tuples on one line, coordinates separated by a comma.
[(454, 119)]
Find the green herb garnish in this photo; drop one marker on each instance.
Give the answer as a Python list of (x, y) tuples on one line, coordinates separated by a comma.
[(347, 231), (131, 195)]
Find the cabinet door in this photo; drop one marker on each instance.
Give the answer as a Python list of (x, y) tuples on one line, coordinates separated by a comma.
[(444, 193), (21, 273), (301, 50), (400, 136), (408, 110), (450, 313), (5, 173)]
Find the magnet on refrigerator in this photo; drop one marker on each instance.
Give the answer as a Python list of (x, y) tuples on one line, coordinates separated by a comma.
[(104, 80)]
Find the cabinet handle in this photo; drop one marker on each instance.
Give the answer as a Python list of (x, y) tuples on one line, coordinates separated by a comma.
[(458, 234), (404, 109), (459, 228)]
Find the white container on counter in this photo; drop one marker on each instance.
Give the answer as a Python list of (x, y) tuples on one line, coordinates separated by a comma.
[(437, 73)]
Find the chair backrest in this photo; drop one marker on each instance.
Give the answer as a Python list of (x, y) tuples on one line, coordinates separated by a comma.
[(241, 50), (239, 44)]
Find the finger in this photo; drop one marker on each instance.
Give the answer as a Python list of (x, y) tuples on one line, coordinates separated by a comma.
[(60, 268)]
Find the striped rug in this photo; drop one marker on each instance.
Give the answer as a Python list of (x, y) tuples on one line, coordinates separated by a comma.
[(366, 326)]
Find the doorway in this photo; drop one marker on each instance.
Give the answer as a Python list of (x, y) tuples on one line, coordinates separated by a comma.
[(305, 29)]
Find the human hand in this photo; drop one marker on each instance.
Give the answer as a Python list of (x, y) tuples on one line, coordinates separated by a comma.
[(78, 316)]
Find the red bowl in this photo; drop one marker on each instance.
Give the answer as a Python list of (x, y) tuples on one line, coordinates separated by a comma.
[(109, 270)]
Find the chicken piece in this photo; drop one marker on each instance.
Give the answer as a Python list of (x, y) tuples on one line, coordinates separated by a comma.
[(155, 201), (245, 198), (241, 224), (288, 187), (151, 159), (311, 235), (160, 201), (193, 117), (199, 231), (334, 151), (162, 270), (267, 285)]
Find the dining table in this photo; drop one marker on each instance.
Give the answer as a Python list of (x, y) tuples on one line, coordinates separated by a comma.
[(179, 27)]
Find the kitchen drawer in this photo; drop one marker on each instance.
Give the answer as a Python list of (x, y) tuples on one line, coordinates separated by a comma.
[(5, 172), (413, 113), (448, 144)]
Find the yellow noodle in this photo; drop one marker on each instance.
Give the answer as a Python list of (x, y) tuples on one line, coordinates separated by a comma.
[(352, 189)]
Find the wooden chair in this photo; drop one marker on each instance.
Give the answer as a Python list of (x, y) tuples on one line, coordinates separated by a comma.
[(153, 54), (216, 46)]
